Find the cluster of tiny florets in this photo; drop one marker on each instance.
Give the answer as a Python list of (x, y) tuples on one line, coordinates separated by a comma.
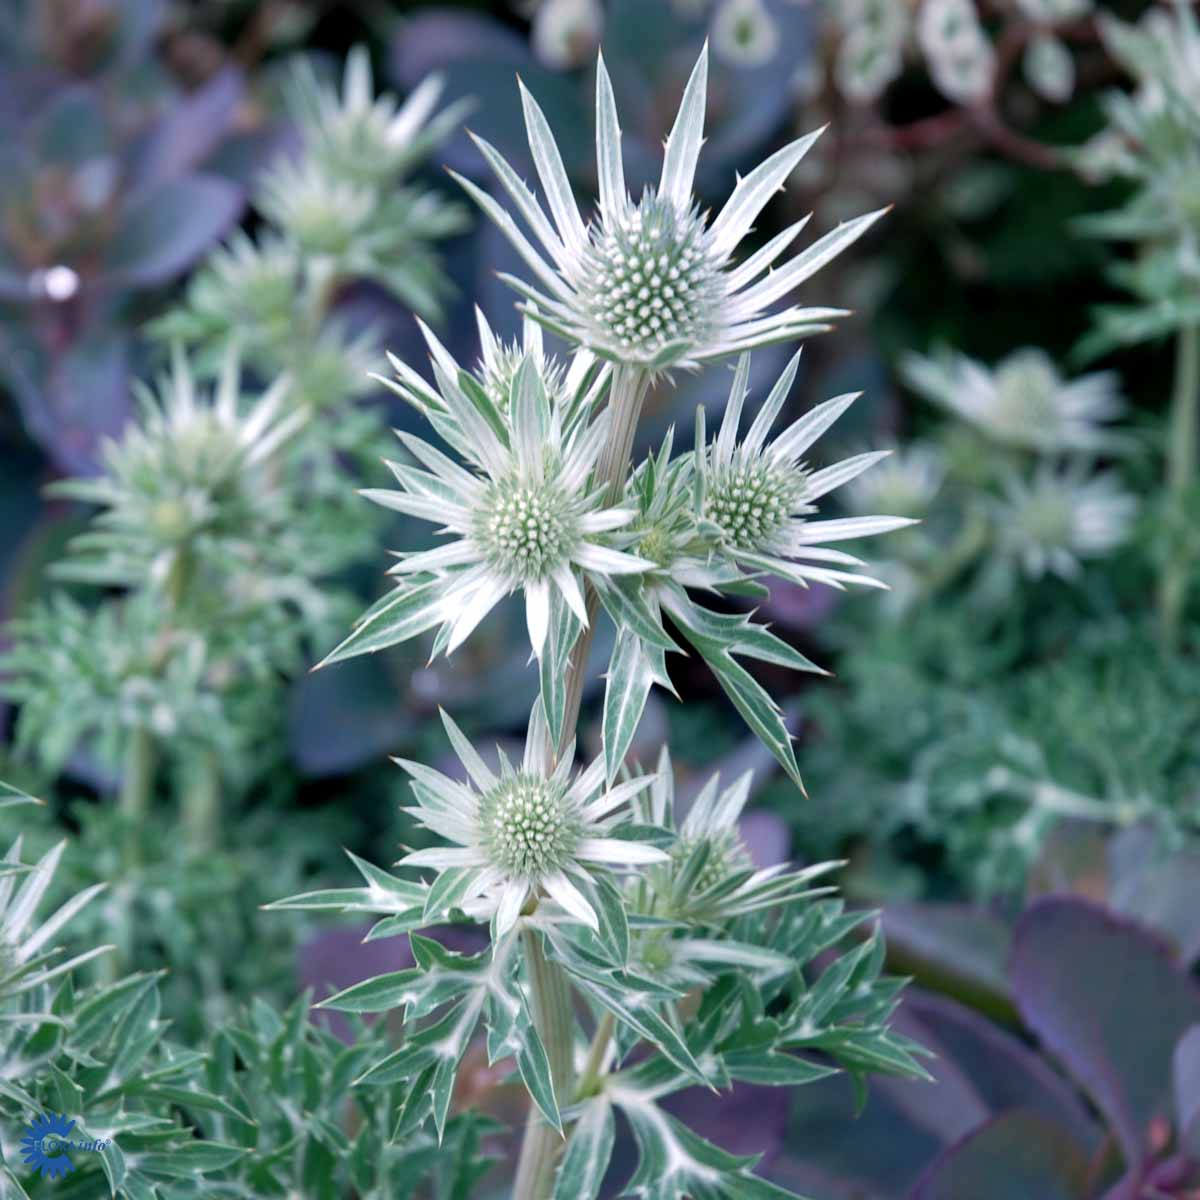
[(526, 827), (725, 855), (647, 280), (526, 530), (496, 376), (752, 501)]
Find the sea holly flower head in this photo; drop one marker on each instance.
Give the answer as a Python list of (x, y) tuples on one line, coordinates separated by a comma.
[(521, 832), (522, 511), (1023, 401), (906, 483), (1055, 519), (757, 497), (653, 283), (367, 139), (192, 469), (710, 877)]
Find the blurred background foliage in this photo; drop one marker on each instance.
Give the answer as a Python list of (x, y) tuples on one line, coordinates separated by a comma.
[(1008, 754)]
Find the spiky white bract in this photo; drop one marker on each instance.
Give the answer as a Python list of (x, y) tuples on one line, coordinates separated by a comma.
[(1023, 401), (522, 511), (757, 497), (1055, 519), (522, 832), (654, 284)]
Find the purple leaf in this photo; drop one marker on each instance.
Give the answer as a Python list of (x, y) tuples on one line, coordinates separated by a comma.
[(1159, 888), (86, 399), (190, 131), (1002, 1071), (746, 1119), (1017, 1156), (767, 837), (1105, 998), (344, 717), (1186, 1071), (953, 948), (163, 231), (439, 37)]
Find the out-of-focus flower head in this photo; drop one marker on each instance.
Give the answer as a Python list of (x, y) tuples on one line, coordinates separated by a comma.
[(1056, 519), (188, 478), (1023, 401), (356, 136)]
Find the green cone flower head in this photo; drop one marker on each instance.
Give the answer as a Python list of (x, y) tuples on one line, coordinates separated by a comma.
[(522, 832), (520, 510), (653, 283), (710, 877), (757, 497)]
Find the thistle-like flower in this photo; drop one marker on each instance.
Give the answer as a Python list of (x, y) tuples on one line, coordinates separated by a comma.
[(710, 877), (246, 290), (654, 284), (190, 471), (1023, 401), (756, 498), (523, 831), (905, 483), (326, 216), (523, 512), (1051, 522), (354, 135)]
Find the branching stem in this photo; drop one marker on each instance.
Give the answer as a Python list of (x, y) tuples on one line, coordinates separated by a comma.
[(553, 1014)]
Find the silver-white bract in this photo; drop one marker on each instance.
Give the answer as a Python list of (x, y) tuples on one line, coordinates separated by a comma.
[(522, 513), (1023, 401), (758, 495), (1058, 517), (520, 830), (653, 284)]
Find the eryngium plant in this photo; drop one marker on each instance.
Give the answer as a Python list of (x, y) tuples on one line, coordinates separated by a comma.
[(635, 949)]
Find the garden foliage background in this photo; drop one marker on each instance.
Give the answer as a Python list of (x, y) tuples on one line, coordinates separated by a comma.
[(1007, 754)]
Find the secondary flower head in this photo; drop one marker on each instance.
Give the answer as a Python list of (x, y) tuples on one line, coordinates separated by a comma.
[(356, 136), (189, 473), (757, 497), (710, 876), (905, 483), (1023, 401), (653, 283), (522, 511), (521, 831), (1058, 518)]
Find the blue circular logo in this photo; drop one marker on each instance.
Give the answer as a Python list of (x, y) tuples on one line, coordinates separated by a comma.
[(43, 1145)]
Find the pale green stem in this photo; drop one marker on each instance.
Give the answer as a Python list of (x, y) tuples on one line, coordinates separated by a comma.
[(553, 1016), (202, 803), (550, 996), (593, 1067), (1063, 802), (1181, 472), (137, 786)]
